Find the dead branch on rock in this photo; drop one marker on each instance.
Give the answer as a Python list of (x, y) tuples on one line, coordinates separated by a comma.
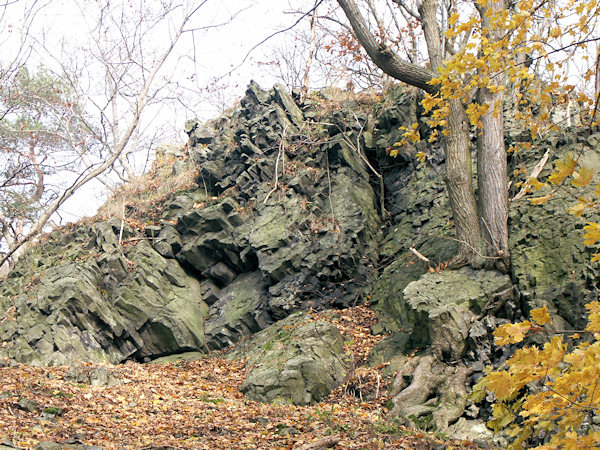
[(423, 258), (280, 154), (534, 174)]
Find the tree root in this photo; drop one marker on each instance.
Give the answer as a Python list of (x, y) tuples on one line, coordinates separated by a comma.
[(435, 397)]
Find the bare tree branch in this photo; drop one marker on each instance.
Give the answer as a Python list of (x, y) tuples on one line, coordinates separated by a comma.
[(382, 56), (92, 172)]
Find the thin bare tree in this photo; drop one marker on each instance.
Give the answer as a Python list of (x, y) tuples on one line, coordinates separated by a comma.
[(103, 141)]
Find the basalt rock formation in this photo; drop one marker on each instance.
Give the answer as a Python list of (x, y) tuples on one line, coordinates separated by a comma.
[(283, 218), (286, 215)]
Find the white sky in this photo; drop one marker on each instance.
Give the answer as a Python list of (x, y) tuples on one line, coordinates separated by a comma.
[(218, 51)]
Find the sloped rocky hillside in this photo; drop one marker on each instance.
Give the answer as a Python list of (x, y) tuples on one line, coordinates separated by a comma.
[(287, 215)]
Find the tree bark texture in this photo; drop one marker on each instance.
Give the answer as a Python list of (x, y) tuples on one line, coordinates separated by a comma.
[(460, 186), (491, 156), (431, 30)]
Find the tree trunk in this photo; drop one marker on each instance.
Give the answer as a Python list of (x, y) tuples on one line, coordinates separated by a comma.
[(491, 156), (431, 30), (382, 56), (460, 188), (311, 53), (457, 147)]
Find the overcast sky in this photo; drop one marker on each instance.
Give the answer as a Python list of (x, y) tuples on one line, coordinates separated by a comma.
[(215, 63)]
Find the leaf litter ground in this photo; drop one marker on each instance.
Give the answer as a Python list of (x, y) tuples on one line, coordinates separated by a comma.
[(197, 404)]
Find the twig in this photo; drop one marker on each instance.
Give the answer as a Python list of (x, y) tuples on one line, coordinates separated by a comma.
[(329, 185), (534, 174), (122, 223), (144, 238), (415, 252), (280, 153), (366, 160), (267, 38)]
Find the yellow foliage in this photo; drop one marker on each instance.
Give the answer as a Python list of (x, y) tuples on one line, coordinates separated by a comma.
[(511, 333), (592, 233), (540, 316), (594, 317), (535, 184), (540, 200), (579, 208), (564, 168), (500, 383), (421, 156), (569, 393)]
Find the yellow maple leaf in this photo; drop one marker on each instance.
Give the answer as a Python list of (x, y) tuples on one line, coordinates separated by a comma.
[(430, 102), (421, 156), (540, 200), (564, 168), (541, 316), (511, 333), (583, 177), (535, 184), (503, 416), (579, 208), (453, 18), (594, 316), (592, 233), (501, 384)]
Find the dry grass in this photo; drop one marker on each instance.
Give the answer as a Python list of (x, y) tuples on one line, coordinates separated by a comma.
[(142, 197), (332, 98)]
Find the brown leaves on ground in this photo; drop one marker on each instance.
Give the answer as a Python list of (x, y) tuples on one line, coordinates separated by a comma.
[(198, 404)]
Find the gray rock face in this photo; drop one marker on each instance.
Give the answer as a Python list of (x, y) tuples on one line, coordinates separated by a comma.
[(421, 218), (198, 134), (299, 362), (211, 271), (445, 304), (241, 310), (551, 264), (310, 230), (96, 301)]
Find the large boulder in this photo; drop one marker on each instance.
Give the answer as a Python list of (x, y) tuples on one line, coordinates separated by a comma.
[(445, 304), (298, 360)]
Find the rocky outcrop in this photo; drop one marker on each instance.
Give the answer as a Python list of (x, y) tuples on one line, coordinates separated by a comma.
[(436, 314), (297, 360), (288, 215), (276, 218), (84, 296), (551, 265)]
